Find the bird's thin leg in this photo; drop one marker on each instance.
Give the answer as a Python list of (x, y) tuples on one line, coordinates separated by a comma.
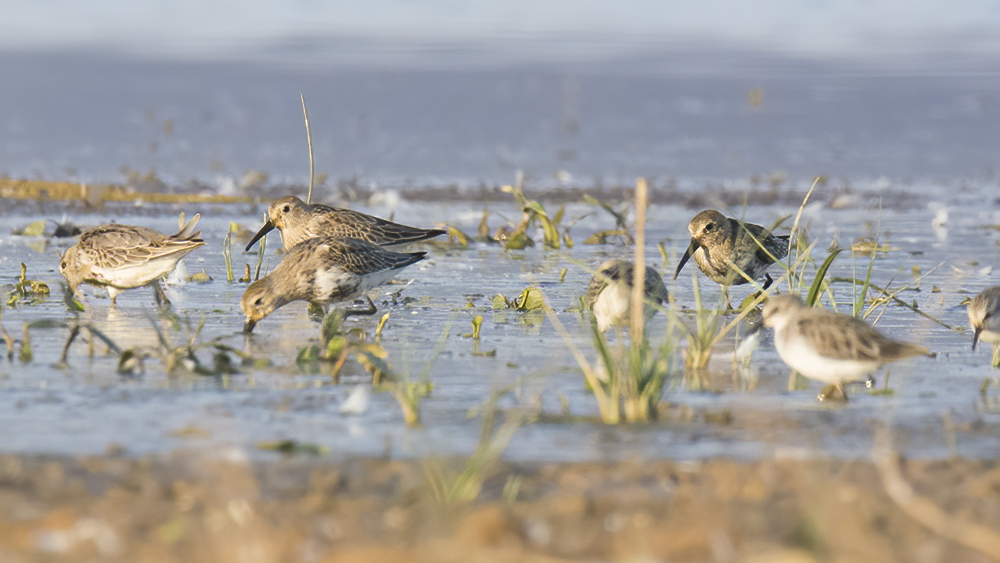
[(160, 295), (996, 356), (69, 341), (828, 392), (317, 311)]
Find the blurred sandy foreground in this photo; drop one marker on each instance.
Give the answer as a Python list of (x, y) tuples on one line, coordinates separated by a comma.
[(185, 506)]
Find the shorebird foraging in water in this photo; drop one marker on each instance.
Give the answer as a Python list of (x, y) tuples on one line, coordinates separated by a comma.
[(298, 221), (609, 294), (323, 270), (723, 247), (120, 257), (830, 347), (984, 317)]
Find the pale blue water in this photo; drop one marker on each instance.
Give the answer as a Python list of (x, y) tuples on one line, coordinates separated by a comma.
[(85, 408), (911, 131)]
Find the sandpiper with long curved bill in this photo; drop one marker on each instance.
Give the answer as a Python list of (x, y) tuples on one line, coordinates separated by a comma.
[(298, 221), (732, 252), (984, 318), (323, 270)]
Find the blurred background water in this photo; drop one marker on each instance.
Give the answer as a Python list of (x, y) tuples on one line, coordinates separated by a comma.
[(466, 93), (897, 102)]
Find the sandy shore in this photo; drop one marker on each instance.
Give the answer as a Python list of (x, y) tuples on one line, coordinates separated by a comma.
[(187, 506)]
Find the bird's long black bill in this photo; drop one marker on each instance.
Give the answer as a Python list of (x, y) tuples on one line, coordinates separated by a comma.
[(975, 338), (248, 326), (684, 259), (267, 228)]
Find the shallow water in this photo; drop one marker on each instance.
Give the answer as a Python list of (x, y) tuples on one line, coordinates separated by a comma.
[(935, 408), (908, 145)]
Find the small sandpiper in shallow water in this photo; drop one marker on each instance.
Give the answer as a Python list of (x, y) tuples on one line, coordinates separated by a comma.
[(323, 270), (718, 243), (984, 317), (120, 257), (830, 347), (609, 293), (298, 222)]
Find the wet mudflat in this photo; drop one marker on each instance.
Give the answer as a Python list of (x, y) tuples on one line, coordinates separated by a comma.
[(274, 458), (738, 411), (86, 444)]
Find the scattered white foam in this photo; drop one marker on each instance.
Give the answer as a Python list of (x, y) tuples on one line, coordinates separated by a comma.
[(357, 400)]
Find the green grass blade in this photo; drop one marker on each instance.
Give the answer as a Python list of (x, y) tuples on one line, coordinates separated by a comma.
[(817, 284)]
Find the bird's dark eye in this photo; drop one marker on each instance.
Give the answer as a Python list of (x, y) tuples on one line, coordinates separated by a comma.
[(286, 208), (710, 227), (63, 265), (259, 301)]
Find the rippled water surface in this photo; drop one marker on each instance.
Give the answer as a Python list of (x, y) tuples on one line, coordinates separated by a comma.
[(935, 407), (909, 151)]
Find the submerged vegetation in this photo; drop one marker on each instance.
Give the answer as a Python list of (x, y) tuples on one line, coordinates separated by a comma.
[(634, 374)]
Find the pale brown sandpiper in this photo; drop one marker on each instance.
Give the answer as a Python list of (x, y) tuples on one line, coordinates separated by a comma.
[(323, 270), (984, 317), (298, 221), (828, 346), (719, 243), (120, 257), (609, 294)]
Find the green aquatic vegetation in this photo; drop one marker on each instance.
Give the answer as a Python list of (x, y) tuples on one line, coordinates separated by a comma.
[(381, 326), (24, 353), (530, 299), (602, 237), (619, 215), (627, 381), (620, 233), (261, 245), (709, 329), (871, 245), (8, 341), (989, 402), (183, 356), (200, 277), (409, 395), (533, 213), (73, 304), (337, 346), (35, 229), (457, 238), (293, 447), (27, 290), (76, 328), (409, 392), (477, 325), (227, 245), (884, 390), (452, 488), (483, 229)]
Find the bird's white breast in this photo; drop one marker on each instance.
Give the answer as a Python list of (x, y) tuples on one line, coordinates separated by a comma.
[(801, 356), (612, 306), (136, 275)]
